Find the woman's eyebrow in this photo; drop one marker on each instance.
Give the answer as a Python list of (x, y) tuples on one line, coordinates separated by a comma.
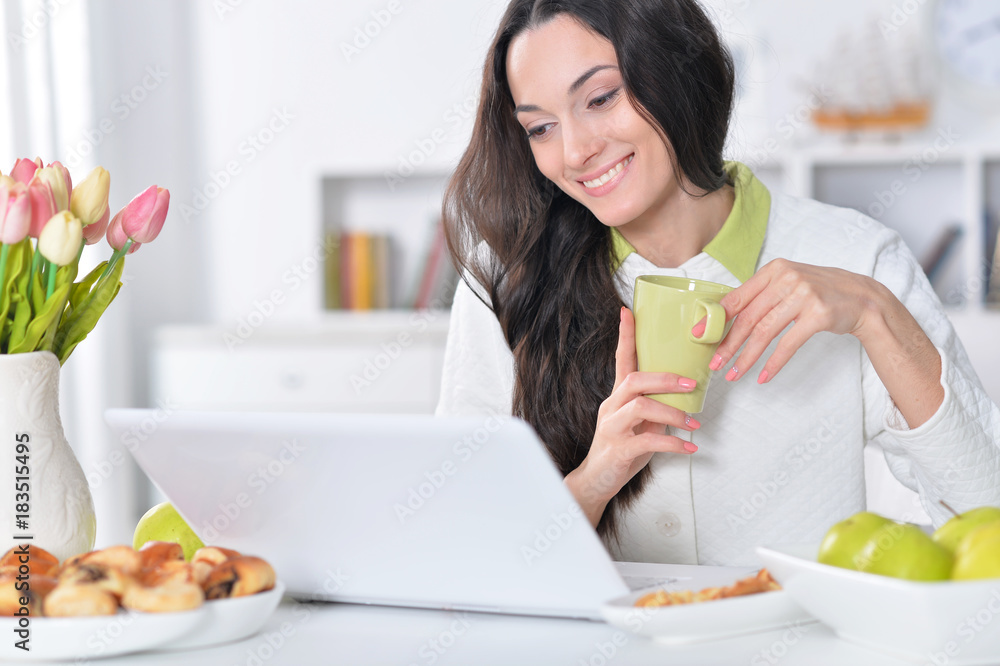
[(520, 108)]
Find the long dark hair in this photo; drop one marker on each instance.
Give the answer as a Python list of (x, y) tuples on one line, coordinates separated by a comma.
[(543, 259)]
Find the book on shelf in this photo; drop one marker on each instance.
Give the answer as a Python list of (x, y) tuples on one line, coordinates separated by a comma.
[(991, 224), (436, 286), (937, 256), (358, 272)]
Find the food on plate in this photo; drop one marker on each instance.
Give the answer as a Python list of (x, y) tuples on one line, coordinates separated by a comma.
[(13, 591), (978, 554), (122, 558), (154, 553), (154, 579), (955, 530), (97, 575), (239, 577), (172, 571), (39, 561), (205, 559), (163, 523), (903, 550), (169, 597), (74, 600), (759, 582), (845, 540)]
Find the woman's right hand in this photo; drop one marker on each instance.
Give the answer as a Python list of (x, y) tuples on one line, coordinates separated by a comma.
[(631, 427)]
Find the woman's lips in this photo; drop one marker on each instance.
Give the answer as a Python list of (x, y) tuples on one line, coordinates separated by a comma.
[(605, 182)]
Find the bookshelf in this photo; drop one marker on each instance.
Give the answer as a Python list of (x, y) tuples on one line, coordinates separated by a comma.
[(398, 214)]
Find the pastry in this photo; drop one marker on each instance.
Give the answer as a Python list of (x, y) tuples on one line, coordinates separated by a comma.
[(239, 577), (69, 600), (170, 597)]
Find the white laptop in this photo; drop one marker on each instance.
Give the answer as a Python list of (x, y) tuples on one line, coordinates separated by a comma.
[(400, 510)]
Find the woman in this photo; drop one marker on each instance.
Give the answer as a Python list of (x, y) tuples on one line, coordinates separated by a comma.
[(597, 157)]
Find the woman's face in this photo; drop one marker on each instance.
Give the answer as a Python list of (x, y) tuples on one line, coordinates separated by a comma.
[(585, 135)]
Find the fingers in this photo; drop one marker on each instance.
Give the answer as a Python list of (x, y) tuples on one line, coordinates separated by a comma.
[(625, 360), (637, 384), (790, 343), (757, 326), (752, 301), (657, 443), (642, 409)]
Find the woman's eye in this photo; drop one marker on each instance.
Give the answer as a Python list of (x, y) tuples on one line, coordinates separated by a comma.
[(603, 100), (539, 131)]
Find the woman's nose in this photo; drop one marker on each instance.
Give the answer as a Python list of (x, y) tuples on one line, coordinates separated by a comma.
[(580, 144)]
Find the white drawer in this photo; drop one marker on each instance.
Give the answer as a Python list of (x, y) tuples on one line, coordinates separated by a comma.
[(370, 363)]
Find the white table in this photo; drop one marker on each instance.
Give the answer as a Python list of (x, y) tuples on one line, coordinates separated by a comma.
[(309, 633)]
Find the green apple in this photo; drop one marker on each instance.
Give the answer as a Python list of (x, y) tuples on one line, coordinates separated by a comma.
[(905, 551), (978, 554), (163, 523), (845, 540), (951, 533)]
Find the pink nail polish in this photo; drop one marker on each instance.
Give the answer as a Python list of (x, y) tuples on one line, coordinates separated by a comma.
[(731, 375), (687, 383), (763, 377), (691, 422), (716, 362), (689, 447), (622, 314)]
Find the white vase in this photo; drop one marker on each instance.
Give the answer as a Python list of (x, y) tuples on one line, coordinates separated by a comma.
[(59, 512)]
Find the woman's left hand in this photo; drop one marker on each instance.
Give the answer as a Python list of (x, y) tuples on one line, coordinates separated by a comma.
[(818, 298)]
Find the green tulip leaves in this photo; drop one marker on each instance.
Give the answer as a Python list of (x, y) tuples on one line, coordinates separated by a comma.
[(30, 321), (90, 298)]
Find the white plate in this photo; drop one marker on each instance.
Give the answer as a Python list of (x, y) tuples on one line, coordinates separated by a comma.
[(957, 623), (216, 622), (64, 638), (231, 619), (704, 621)]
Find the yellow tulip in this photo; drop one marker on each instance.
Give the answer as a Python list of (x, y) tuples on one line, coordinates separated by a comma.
[(61, 238), (89, 200)]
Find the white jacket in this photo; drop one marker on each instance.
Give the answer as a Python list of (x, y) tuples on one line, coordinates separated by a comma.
[(779, 462)]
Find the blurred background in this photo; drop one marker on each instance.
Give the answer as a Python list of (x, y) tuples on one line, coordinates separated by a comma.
[(306, 144)]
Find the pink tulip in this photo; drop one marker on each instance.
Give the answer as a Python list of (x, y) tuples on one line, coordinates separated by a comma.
[(117, 236), (15, 213), (142, 226), (43, 206), (24, 169), (95, 232)]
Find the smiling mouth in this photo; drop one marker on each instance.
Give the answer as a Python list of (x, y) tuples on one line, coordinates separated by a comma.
[(611, 173)]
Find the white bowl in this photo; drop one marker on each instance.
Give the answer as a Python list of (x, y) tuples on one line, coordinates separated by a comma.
[(84, 638), (945, 622), (229, 620)]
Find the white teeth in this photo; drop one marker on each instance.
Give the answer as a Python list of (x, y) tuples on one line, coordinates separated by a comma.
[(612, 172)]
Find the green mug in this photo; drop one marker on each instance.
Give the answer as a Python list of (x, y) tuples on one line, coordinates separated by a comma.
[(666, 309)]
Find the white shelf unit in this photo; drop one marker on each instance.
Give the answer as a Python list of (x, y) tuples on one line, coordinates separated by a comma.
[(404, 208)]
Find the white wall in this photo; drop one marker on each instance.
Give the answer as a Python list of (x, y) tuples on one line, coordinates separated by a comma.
[(348, 113)]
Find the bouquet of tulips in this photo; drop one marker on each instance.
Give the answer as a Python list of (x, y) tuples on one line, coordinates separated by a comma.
[(45, 223)]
